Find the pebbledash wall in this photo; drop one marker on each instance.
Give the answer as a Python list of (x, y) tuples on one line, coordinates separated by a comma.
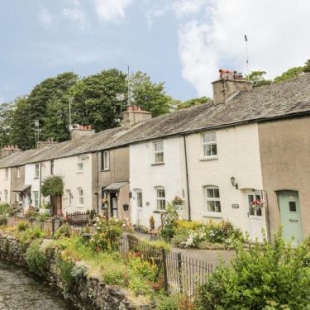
[(87, 293)]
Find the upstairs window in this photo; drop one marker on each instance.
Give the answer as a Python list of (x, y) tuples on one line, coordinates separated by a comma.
[(212, 196), (158, 152), (6, 173), (6, 195), (209, 144), (18, 172), (105, 160), (161, 198), (80, 166), (37, 171)]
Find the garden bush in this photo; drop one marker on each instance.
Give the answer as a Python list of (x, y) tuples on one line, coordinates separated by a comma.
[(265, 276), (35, 258), (3, 221)]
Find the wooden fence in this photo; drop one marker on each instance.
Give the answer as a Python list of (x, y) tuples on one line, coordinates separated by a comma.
[(179, 273)]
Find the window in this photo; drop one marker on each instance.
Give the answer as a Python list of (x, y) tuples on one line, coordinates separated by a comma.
[(139, 199), (18, 172), (80, 166), (161, 198), (35, 196), (37, 171), (105, 160), (81, 196), (52, 167), (255, 201), (6, 173), (213, 202), (158, 152), (209, 144), (6, 195)]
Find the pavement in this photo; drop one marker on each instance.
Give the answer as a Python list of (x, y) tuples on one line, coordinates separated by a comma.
[(213, 257)]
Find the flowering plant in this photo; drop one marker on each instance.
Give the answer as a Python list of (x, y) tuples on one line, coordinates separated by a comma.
[(257, 204), (177, 200)]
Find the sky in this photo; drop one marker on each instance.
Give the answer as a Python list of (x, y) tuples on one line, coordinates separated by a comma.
[(182, 43)]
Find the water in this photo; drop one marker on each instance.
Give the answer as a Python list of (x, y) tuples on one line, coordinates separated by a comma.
[(19, 290)]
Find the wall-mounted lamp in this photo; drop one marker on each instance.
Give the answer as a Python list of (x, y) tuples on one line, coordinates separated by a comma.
[(233, 182)]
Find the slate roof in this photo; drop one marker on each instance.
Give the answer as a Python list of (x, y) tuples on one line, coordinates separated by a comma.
[(279, 100)]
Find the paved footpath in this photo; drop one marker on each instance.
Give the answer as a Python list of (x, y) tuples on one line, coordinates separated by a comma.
[(211, 256)]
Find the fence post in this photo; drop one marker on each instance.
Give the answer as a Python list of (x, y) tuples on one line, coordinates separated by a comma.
[(165, 269), (53, 226), (180, 271)]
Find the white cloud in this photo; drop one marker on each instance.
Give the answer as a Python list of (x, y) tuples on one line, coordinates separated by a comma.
[(156, 12), (75, 15), (45, 17), (111, 10), (277, 37)]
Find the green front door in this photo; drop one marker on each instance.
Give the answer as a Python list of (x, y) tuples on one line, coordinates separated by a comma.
[(290, 216)]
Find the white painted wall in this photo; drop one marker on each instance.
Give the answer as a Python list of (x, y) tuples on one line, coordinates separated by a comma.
[(145, 176), (33, 181), (238, 156), (5, 184), (74, 179)]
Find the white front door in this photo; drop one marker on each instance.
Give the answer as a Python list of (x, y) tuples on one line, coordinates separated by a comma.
[(256, 215)]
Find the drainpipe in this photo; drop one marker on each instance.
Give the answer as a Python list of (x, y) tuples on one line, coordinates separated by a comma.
[(267, 215), (187, 180)]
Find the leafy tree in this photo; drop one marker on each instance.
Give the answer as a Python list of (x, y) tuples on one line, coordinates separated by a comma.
[(289, 74), (193, 102), (149, 96), (52, 186), (306, 68), (265, 276), (258, 79), (96, 99), (6, 112)]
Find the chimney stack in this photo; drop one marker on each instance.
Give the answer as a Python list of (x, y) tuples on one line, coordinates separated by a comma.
[(80, 131), (134, 115), (229, 84), (8, 150)]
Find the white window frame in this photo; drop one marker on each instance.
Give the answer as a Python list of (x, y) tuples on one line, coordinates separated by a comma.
[(105, 160), (80, 166), (35, 195), (160, 198), (80, 196), (212, 199), (139, 198), (209, 144), (252, 212), (158, 147), (37, 171), (6, 176), (6, 195), (18, 172)]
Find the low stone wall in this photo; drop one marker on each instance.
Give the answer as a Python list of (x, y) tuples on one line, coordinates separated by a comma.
[(85, 293)]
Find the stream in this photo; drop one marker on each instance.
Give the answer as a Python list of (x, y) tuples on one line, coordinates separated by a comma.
[(20, 290)]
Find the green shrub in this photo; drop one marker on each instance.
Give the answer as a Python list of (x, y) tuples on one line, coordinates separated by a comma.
[(63, 231), (265, 276), (65, 267), (3, 221), (35, 259), (4, 208), (22, 226)]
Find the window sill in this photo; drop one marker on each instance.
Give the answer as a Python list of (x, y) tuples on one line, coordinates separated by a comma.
[(213, 215), (208, 158), (157, 164), (105, 170), (159, 211), (80, 172)]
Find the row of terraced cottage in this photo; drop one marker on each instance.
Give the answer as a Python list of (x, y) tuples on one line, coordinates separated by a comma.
[(243, 157)]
